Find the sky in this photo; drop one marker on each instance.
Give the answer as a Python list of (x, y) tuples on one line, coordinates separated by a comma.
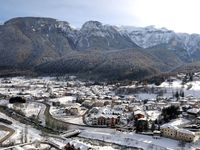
[(177, 15)]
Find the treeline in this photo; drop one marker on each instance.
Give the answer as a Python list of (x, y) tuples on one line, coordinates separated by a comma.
[(157, 79)]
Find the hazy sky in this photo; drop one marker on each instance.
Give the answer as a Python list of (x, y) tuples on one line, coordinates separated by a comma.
[(178, 15)]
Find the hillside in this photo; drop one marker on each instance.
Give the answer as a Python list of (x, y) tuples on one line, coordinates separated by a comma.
[(190, 67), (116, 64)]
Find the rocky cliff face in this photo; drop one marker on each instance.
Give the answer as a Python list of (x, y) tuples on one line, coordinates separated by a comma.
[(94, 35)]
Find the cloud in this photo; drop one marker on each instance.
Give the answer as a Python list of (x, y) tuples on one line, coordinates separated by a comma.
[(179, 15)]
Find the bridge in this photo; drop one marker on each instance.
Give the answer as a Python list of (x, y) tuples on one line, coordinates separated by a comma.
[(71, 133)]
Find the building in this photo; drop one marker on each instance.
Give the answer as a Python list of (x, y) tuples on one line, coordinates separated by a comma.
[(141, 125), (72, 110), (161, 105), (98, 103), (88, 103), (150, 105), (139, 114), (106, 120), (197, 120), (119, 108), (170, 131), (183, 102), (186, 135), (193, 112), (176, 104)]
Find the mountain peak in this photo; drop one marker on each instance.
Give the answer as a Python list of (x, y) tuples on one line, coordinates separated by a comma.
[(92, 25), (30, 20)]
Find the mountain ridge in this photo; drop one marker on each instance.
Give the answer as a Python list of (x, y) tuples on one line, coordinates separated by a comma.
[(147, 37), (48, 46)]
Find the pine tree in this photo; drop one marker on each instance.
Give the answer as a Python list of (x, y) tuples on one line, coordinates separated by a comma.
[(153, 127), (182, 93), (177, 95)]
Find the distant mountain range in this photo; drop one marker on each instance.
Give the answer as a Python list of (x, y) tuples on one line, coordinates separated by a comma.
[(48, 46), (186, 46)]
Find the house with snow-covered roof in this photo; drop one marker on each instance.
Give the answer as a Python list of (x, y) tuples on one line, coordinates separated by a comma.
[(139, 114), (168, 130), (119, 108), (161, 105), (172, 131), (193, 112), (150, 105), (186, 135)]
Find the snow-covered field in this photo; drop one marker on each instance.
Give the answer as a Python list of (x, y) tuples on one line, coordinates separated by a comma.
[(190, 88), (31, 109), (61, 115), (138, 140), (63, 100), (74, 120), (29, 87)]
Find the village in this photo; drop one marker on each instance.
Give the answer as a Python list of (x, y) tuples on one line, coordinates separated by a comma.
[(65, 112)]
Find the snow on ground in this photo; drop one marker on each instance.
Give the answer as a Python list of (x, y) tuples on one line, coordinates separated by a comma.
[(3, 134), (153, 114), (61, 115), (61, 143), (195, 85), (29, 87), (174, 84), (89, 144), (36, 145), (137, 140), (179, 122), (190, 88), (63, 100), (74, 120), (78, 143), (144, 96), (103, 148), (29, 109), (32, 134)]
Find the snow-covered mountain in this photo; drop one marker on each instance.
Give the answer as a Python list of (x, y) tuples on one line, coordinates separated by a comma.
[(50, 46), (147, 37), (95, 35)]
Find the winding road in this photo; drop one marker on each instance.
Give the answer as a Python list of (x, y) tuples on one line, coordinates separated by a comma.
[(57, 122), (72, 126)]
